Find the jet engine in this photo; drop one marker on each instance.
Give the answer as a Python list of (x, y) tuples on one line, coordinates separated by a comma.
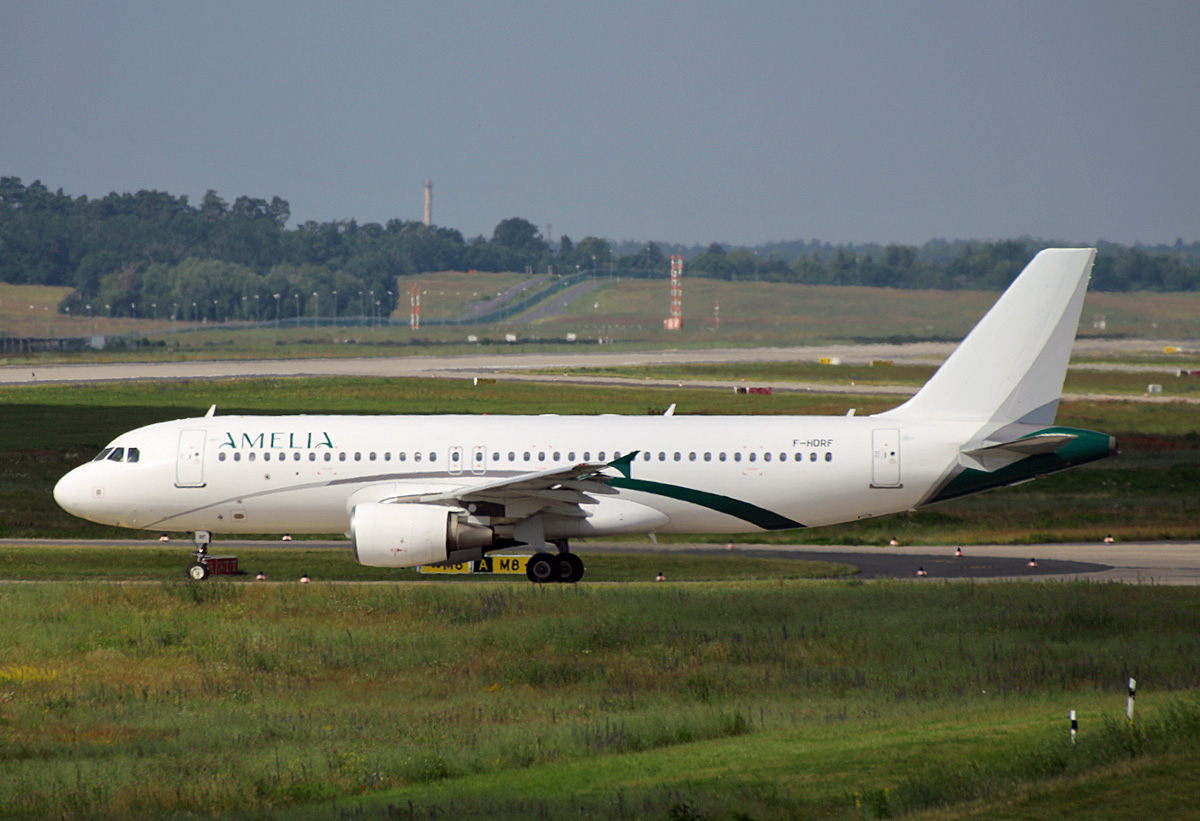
[(409, 535)]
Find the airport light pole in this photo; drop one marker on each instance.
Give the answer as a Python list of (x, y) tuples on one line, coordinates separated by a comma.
[(276, 310), (316, 309), (335, 307)]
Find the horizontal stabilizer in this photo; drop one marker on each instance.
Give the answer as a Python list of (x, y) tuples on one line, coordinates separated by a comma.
[(995, 455)]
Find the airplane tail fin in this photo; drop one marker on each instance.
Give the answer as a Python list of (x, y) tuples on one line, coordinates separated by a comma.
[(1011, 367)]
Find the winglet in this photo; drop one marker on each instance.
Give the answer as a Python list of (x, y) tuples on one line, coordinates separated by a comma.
[(212, 411), (624, 463)]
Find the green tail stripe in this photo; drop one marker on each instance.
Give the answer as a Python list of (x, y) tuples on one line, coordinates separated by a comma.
[(1087, 447), (757, 516)]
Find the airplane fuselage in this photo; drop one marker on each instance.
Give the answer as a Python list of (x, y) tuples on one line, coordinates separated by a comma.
[(302, 474)]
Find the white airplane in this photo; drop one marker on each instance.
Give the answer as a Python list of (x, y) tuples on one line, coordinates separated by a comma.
[(423, 490)]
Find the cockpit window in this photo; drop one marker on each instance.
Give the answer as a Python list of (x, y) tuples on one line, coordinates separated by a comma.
[(117, 455), (100, 457), (132, 455)]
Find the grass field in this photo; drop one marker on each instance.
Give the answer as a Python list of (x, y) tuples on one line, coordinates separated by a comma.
[(721, 700), (1079, 381), (747, 693), (627, 314)]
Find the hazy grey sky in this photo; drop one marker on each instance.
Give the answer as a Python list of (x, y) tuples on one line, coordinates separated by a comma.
[(687, 122)]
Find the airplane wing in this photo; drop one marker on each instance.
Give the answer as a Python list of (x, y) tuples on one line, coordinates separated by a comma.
[(560, 491)]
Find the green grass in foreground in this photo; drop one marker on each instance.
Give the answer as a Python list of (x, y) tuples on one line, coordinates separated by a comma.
[(774, 699), (159, 563)]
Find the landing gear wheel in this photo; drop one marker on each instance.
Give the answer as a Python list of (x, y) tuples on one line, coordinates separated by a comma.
[(570, 568), (197, 572), (542, 568)]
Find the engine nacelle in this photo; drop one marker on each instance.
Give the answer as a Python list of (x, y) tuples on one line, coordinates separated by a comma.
[(409, 535)]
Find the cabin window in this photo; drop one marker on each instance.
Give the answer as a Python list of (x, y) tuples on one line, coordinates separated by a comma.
[(267, 456), (646, 456), (571, 456), (799, 457), (312, 456), (541, 456), (100, 457), (828, 456), (753, 456), (237, 457), (662, 457), (722, 456), (417, 456), (783, 457), (357, 456), (737, 457), (402, 456), (432, 456), (766, 457), (387, 456), (707, 456), (372, 456), (812, 457), (453, 456), (252, 456), (132, 455), (342, 456), (221, 456), (678, 456), (691, 457), (328, 456), (495, 456), (600, 456), (557, 456), (527, 456)]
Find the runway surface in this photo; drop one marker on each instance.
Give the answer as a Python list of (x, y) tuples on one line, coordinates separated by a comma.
[(541, 367), (1156, 563)]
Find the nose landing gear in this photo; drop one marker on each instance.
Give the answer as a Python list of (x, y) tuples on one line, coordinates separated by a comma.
[(198, 569)]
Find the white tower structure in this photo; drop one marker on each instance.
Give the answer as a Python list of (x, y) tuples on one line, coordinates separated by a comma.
[(428, 202), (675, 321)]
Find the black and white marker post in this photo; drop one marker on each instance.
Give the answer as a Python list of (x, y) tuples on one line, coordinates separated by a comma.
[(1074, 726), (1129, 703)]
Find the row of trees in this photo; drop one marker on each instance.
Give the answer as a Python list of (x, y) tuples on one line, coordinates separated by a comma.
[(154, 249)]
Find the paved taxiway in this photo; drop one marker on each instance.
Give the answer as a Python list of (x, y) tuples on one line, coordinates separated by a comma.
[(1156, 563), (539, 367)]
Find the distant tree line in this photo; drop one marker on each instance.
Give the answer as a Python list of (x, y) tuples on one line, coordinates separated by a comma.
[(155, 252)]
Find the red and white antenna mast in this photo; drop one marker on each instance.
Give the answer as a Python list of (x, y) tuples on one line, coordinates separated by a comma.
[(675, 321), (414, 311)]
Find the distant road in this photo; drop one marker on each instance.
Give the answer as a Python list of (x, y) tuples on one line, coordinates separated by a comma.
[(519, 367), (1158, 563)]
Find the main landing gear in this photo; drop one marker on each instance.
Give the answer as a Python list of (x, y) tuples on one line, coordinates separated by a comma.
[(198, 569), (563, 566)]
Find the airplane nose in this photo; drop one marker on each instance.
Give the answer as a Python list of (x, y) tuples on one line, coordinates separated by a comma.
[(73, 493)]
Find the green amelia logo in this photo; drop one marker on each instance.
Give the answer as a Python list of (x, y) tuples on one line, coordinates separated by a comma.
[(279, 440)]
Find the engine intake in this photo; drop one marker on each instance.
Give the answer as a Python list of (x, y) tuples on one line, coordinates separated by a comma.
[(410, 535)]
